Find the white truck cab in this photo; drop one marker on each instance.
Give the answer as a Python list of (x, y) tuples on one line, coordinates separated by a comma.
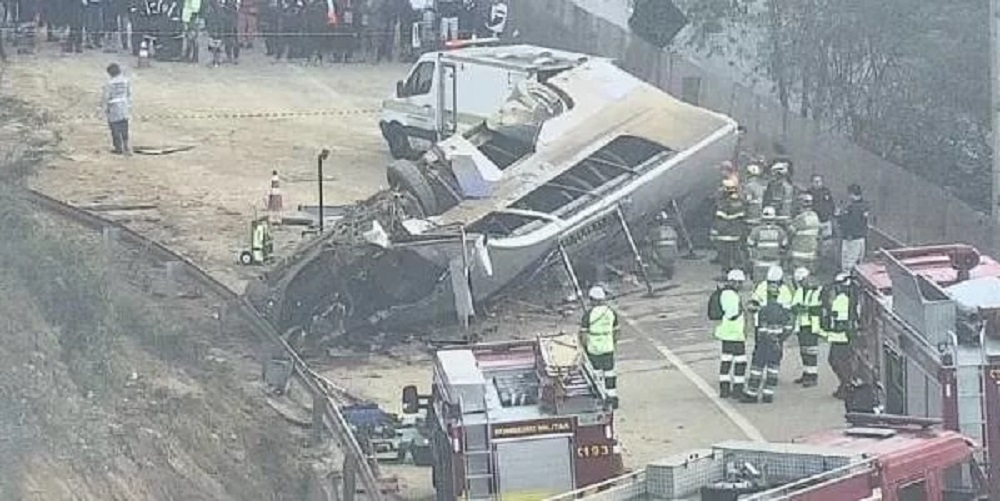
[(450, 91)]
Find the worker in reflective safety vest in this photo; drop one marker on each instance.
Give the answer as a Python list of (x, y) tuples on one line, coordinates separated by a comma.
[(663, 240), (766, 244), (806, 306), (772, 302), (803, 236), (731, 331), (837, 322), (729, 228), (599, 333), (261, 244)]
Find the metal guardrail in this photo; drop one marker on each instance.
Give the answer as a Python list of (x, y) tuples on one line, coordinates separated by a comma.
[(628, 486), (322, 392), (815, 481)]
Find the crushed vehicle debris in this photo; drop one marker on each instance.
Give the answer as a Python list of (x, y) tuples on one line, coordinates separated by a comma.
[(562, 166)]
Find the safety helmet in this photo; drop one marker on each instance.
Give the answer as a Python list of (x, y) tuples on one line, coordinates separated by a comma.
[(768, 213), (754, 170), (842, 277), (774, 274), (800, 274), (779, 168), (596, 293), (805, 199), (729, 183), (735, 276), (663, 216)]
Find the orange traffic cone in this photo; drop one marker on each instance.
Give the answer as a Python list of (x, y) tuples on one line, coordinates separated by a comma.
[(274, 202)]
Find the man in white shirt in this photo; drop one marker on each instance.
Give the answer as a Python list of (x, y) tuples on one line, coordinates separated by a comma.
[(117, 103)]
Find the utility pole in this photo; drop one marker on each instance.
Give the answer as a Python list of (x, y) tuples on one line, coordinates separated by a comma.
[(995, 117)]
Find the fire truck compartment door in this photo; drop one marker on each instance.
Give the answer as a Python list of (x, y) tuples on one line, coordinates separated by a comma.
[(534, 469)]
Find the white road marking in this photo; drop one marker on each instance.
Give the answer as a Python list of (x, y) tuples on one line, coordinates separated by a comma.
[(734, 415)]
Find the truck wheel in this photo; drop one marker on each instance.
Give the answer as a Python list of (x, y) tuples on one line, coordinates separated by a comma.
[(399, 142), (404, 176)]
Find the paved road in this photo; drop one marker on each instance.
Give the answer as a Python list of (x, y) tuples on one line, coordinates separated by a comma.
[(668, 379)]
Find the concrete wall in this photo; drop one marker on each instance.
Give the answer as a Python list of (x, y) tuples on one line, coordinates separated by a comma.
[(905, 205)]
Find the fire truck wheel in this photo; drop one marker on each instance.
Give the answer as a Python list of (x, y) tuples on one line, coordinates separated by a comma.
[(406, 178)]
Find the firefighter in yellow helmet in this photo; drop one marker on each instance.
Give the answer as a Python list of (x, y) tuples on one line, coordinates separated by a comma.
[(729, 228)]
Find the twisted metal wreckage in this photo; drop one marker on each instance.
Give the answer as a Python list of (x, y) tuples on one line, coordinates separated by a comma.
[(587, 149)]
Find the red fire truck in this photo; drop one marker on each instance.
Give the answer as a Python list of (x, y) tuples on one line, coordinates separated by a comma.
[(517, 421), (929, 332), (880, 457)]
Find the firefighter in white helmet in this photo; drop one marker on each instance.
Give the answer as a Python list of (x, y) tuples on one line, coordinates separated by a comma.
[(753, 194), (780, 192), (771, 302), (807, 305), (766, 244), (803, 236), (726, 308), (599, 335)]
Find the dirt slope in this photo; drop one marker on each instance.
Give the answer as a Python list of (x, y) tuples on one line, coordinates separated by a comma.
[(108, 393)]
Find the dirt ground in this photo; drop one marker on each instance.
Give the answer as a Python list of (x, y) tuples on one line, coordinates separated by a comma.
[(206, 197), (109, 393)]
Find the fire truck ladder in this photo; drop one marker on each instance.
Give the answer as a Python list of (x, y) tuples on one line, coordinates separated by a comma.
[(478, 453), (972, 406)]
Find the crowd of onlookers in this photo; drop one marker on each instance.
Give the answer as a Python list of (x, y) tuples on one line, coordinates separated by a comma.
[(179, 30)]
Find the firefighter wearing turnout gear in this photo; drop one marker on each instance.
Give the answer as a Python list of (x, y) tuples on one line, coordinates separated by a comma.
[(837, 321), (803, 236), (780, 193), (772, 301), (729, 228), (753, 194), (599, 333), (663, 241), (731, 331), (766, 244), (806, 306)]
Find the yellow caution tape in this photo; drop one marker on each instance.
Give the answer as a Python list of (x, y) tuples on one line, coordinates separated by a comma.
[(236, 115)]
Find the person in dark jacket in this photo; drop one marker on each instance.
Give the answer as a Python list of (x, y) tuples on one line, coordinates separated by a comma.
[(75, 17), (230, 33), (853, 225), (825, 208)]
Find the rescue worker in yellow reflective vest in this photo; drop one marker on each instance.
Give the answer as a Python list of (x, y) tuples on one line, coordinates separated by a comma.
[(766, 244), (599, 333), (803, 236), (729, 228), (663, 240), (771, 302), (837, 321), (806, 306), (261, 243), (753, 194), (731, 331), (780, 193)]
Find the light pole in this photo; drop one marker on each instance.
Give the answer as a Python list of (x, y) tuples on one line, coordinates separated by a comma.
[(323, 155), (995, 116)]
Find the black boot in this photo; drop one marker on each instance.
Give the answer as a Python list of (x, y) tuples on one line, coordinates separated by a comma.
[(767, 399), (748, 399), (737, 392), (810, 380), (801, 379), (724, 390)]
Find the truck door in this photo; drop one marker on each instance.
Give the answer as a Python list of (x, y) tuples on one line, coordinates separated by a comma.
[(534, 469), (415, 100), (447, 119), (895, 381)]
